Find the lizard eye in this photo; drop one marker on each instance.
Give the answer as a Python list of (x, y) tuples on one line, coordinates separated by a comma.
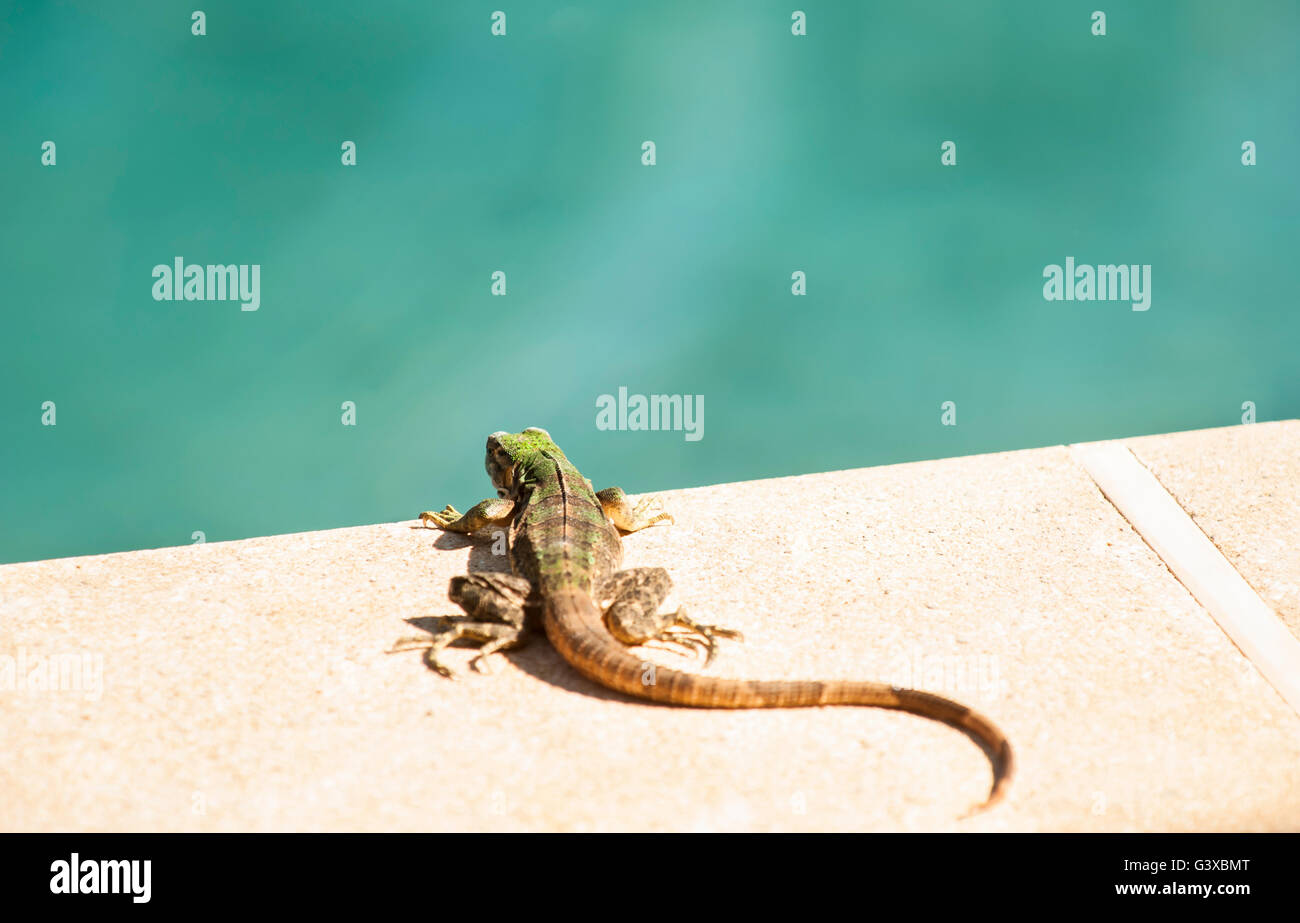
[(501, 492), (538, 429)]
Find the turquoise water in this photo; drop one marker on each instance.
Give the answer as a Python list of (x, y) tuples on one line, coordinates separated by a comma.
[(523, 153)]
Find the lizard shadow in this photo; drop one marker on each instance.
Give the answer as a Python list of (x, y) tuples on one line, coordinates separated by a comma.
[(535, 657)]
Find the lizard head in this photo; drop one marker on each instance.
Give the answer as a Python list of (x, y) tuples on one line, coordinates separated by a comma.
[(509, 454)]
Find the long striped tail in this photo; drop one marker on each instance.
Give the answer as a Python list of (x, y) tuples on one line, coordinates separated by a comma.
[(575, 628)]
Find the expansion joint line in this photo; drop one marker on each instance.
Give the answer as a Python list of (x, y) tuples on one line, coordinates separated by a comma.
[(1188, 552)]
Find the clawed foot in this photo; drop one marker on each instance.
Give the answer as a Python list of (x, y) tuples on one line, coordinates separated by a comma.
[(493, 636), (697, 638), (650, 511), (440, 520), (431, 647)]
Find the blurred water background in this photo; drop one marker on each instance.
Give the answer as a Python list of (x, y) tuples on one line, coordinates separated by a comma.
[(522, 153)]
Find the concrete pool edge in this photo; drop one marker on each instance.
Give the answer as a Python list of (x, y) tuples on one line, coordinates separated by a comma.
[(245, 684)]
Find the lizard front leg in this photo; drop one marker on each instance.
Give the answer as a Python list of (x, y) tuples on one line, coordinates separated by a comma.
[(495, 511), (495, 607), (633, 617), (627, 517)]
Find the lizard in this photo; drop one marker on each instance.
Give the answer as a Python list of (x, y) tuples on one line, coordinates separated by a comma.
[(566, 553)]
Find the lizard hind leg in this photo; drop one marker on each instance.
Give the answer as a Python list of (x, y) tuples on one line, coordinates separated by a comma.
[(633, 615), (495, 617)]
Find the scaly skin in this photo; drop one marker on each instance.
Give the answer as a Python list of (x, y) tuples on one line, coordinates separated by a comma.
[(566, 552)]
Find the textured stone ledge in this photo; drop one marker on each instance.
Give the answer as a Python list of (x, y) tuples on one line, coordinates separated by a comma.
[(245, 686)]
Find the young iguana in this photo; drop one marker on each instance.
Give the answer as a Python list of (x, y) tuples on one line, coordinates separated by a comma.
[(566, 553)]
